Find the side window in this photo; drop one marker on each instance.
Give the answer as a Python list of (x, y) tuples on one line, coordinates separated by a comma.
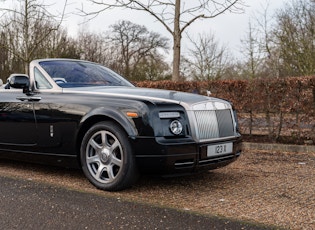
[(40, 81)]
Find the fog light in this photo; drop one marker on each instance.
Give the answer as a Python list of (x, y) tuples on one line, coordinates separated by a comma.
[(176, 127)]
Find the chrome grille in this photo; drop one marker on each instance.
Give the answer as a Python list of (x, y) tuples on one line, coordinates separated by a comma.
[(207, 124), (214, 124), (225, 122)]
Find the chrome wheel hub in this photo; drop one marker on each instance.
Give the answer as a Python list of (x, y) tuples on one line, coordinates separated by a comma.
[(105, 155)]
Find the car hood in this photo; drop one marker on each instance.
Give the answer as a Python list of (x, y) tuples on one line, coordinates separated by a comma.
[(148, 94)]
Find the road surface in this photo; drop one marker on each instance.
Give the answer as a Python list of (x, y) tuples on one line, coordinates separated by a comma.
[(26, 204)]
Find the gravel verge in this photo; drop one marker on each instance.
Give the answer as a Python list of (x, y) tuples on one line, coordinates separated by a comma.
[(271, 188)]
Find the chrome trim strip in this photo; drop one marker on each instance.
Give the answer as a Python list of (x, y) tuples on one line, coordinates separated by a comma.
[(120, 95), (214, 104), (223, 157), (184, 163), (221, 139)]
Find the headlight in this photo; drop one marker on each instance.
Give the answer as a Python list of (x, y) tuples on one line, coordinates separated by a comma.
[(176, 127)]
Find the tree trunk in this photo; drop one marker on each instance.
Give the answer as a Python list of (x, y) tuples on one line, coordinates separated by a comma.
[(176, 43)]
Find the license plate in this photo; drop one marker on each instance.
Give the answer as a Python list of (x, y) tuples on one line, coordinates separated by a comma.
[(214, 150)]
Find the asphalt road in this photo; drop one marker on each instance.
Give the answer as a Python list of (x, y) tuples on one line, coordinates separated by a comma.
[(32, 205)]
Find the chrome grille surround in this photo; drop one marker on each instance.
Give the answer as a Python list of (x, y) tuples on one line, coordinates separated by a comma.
[(212, 120)]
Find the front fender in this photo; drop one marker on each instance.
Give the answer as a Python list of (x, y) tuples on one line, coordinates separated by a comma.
[(116, 115)]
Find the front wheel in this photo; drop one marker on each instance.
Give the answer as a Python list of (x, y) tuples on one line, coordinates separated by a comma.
[(106, 157)]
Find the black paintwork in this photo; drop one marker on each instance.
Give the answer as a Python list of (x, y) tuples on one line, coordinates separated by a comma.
[(49, 126)]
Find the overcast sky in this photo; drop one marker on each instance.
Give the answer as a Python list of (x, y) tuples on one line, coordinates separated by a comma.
[(229, 28)]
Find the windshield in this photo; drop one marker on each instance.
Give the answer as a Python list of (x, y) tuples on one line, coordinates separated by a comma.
[(68, 73)]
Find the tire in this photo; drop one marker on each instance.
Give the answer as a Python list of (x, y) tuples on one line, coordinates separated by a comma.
[(107, 158)]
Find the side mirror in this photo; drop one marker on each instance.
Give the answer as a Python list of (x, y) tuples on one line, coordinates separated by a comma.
[(18, 81)]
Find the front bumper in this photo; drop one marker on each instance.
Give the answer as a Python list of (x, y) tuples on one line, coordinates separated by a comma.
[(181, 158)]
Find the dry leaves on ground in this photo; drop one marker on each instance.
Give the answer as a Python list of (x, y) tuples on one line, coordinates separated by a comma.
[(270, 188)]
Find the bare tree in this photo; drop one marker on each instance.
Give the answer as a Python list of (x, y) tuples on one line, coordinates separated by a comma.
[(207, 59), (252, 52), (295, 36), (175, 15), (152, 68), (4, 67), (127, 48), (26, 28), (93, 47), (58, 44), (134, 44)]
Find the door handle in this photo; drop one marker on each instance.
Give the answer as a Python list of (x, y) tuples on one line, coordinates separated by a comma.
[(32, 98)]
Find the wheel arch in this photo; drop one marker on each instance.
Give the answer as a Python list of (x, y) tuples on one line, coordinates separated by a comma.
[(98, 116)]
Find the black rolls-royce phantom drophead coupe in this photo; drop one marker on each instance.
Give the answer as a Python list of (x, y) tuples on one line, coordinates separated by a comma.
[(69, 112)]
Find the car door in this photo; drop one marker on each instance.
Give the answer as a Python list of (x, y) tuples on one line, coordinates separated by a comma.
[(55, 119), (17, 121), (55, 125)]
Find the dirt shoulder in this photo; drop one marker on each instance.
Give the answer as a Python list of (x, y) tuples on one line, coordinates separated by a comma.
[(265, 187)]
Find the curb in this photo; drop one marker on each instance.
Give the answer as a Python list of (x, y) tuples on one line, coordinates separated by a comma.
[(279, 147)]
